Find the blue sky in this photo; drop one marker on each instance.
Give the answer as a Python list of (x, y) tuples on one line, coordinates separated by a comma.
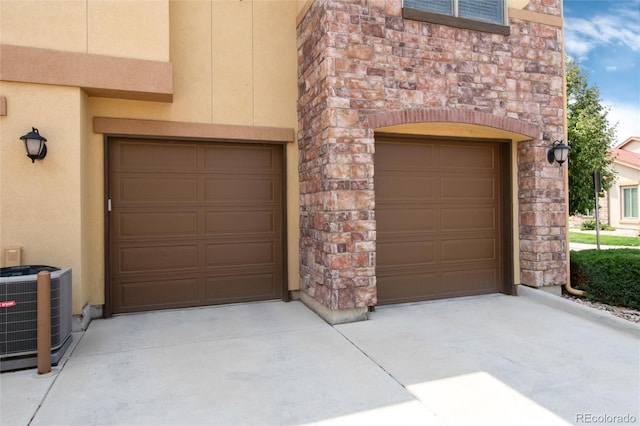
[(604, 36)]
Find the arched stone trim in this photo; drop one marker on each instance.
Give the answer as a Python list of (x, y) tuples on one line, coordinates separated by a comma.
[(449, 115)]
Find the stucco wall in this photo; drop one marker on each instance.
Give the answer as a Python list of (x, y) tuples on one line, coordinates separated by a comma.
[(130, 28), (627, 177), (233, 62), (41, 202)]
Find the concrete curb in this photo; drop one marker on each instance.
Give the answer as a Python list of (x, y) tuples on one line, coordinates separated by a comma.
[(601, 317)]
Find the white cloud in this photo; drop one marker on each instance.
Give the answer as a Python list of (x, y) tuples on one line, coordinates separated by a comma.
[(611, 68), (614, 28), (627, 116)]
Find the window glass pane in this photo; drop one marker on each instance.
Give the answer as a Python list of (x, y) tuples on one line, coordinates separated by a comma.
[(481, 10), (630, 201), (436, 6)]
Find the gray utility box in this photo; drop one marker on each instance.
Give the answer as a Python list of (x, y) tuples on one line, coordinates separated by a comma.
[(19, 315)]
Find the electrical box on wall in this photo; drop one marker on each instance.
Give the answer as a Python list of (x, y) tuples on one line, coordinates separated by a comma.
[(12, 256)]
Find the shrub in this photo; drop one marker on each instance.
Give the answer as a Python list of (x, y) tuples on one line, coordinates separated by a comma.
[(590, 225), (608, 276)]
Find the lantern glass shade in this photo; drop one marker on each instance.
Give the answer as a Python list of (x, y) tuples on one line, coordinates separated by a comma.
[(559, 152), (35, 145)]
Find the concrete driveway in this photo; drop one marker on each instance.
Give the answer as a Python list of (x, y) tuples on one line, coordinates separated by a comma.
[(481, 360)]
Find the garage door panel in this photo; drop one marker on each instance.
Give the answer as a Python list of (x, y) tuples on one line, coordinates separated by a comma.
[(159, 292), (249, 253), (405, 253), (401, 187), (466, 219), (156, 189), (467, 157), (405, 220), (475, 281), (245, 188), (157, 224), (411, 156), (468, 249), (237, 157), (470, 188), (405, 288), (235, 288), (427, 286), (167, 157), (222, 222), (156, 258)]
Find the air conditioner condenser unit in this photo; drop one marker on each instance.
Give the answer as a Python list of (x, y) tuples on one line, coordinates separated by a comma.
[(19, 315)]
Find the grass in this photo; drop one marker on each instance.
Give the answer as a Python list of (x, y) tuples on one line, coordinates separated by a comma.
[(605, 240)]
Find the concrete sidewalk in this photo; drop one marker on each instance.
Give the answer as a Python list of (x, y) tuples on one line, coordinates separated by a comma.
[(482, 360)]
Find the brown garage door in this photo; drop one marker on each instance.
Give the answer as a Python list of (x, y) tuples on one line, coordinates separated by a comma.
[(438, 213), (194, 223)]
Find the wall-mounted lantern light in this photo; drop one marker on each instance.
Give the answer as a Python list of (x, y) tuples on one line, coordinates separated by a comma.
[(559, 152), (35, 145)]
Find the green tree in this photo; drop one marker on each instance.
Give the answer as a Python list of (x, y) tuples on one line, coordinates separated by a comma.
[(590, 137)]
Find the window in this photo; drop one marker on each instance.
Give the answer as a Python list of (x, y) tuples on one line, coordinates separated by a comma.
[(630, 203), (482, 15)]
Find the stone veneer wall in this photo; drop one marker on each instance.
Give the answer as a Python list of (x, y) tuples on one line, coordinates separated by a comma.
[(361, 66)]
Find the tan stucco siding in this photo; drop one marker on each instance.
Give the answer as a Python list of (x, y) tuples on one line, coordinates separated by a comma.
[(129, 28), (192, 62), (232, 57), (60, 25), (275, 64), (41, 202), (234, 62)]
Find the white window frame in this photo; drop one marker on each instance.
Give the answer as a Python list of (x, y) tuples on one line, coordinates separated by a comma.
[(623, 190)]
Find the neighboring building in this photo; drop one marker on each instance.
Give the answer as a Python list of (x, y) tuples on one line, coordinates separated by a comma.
[(603, 213), (624, 203), (347, 153)]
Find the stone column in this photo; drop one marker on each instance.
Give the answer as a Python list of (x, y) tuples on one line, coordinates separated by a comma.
[(543, 221), (337, 223)]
